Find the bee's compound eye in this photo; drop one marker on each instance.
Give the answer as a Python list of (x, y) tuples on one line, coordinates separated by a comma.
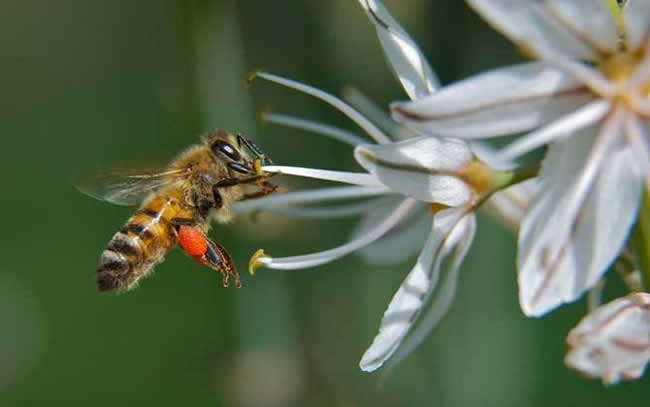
[(226, 148)]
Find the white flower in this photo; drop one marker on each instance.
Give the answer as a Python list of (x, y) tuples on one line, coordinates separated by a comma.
[(593, 115), (613, 342), (447, 177)]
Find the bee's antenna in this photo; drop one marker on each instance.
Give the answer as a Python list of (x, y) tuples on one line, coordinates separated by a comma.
[(253, 148)]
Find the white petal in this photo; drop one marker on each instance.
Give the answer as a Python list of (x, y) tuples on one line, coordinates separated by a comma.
[(495, 103), (639, 144), (402, 242), (577, 226), (429, 153), (613, 342), (532, 25), (406, 59), (616, 201), (564, 126), (409, 299), (421, 167), (636, 16), (590, 20), (443, 297)]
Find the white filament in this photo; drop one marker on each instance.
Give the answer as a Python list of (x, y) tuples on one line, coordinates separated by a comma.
[(372, 130), (355, 178), (336, 133), (316, 259)]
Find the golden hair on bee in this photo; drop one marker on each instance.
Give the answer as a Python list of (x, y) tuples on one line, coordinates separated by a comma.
[(177, 205)]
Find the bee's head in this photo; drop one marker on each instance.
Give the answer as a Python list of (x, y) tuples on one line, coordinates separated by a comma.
[(238, 152)]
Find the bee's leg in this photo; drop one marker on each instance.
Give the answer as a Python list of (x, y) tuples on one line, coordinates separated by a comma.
[(218, 258), (266, 188), (229, 182), (205, 251), (253, 148)]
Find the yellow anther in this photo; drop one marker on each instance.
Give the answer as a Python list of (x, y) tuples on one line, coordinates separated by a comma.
[(254, 263), (257, 165)]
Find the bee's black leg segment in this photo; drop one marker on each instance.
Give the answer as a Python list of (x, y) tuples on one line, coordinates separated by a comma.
[(216, 195), (229, 182), (218, 258)]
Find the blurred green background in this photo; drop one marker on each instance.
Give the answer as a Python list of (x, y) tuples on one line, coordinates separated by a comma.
[(94, 82)]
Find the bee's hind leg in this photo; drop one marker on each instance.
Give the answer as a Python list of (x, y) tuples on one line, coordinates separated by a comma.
[(218, 258), (207, 252)]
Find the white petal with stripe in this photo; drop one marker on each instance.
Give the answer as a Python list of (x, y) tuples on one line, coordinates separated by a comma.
[(408, 301)]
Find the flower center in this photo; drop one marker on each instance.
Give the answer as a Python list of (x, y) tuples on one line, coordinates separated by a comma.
[(619, 68)]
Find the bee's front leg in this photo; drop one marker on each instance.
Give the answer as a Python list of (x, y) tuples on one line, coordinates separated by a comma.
[(207, 252), (265, 188)]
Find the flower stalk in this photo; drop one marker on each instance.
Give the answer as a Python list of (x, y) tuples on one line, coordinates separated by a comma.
[(641, 240)]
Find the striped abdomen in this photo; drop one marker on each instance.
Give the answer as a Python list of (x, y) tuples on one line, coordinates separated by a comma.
[(143, 241)]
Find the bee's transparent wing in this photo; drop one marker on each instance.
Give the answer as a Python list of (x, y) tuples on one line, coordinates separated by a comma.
[(126, 187)]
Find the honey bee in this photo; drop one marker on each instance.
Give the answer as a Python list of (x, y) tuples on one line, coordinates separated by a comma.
[(177, 206)]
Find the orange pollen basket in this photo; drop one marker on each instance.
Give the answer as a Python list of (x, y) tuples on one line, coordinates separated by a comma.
[(192, 240)]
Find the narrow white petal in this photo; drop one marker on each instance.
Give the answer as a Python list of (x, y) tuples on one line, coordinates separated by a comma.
[(639, 145), (595, 80), (304, 197), (613, 218), (613, 342), (422, 168), (512, 84), (579, 223), (531, 25), (503, 101), (443, 297), (341, 106), (409, 299), (327, 256), (336, 133), (356, 178), (402, 242), (636, 16), (428, 153), (562, 127), (405, 58), (591, 21)]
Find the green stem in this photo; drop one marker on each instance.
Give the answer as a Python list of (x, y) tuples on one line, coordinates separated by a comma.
[(616, 12), (641, 240), (522, 174), (504, 179)]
